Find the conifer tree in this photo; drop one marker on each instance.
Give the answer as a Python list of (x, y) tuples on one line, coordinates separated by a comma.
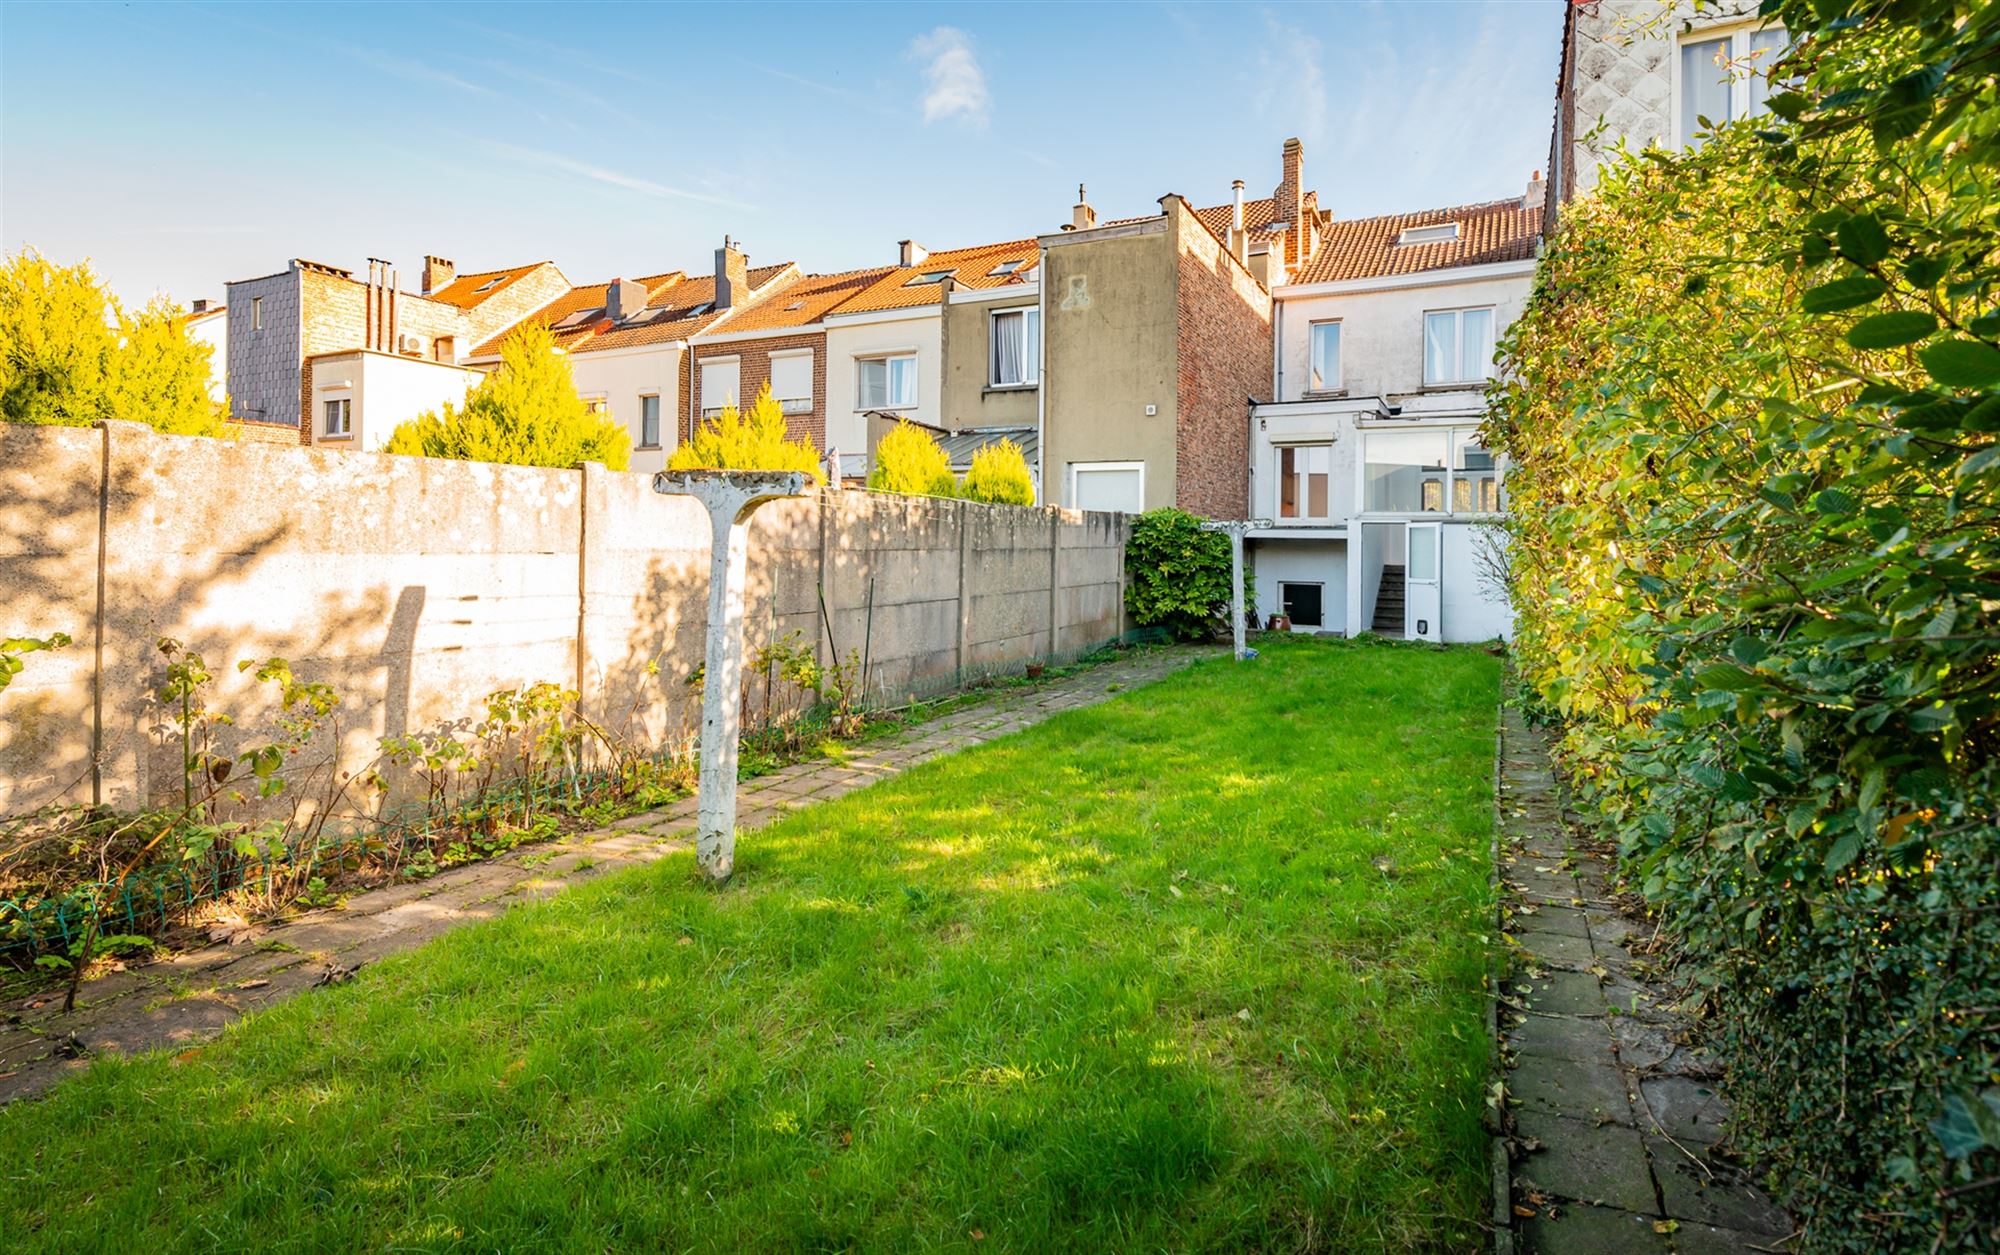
[(999, 474), (910, 460), (756, 441), (527, 413)]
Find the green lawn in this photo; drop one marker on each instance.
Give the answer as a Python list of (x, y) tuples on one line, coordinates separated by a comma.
[(1198, 968)]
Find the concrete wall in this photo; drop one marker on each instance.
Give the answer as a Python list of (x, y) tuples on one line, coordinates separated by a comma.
[(848, 340), (969, 397), (415, 587), (1110, 352)]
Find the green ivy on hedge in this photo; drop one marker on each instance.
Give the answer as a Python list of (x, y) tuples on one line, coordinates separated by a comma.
[(1756, 565)]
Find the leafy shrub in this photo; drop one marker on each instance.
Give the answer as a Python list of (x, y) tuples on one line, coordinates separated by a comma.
[(753, 442), (999, 474), (526, 413), (1755, 534), (1177, 576), (71, 355), (910, 460)]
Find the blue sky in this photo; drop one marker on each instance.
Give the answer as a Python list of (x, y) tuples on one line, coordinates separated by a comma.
[(181, 146)]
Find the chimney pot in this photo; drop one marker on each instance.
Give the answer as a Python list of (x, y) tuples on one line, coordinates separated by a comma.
[(199, 307), (1082, 217)]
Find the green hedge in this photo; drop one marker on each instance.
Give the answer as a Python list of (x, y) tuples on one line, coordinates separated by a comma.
[(1756, 515)]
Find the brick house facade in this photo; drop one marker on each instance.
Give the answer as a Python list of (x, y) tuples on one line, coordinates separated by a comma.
[(753, 354), (1222, 359)]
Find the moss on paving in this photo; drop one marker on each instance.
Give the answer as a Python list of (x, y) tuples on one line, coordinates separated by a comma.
[(1196, 968)]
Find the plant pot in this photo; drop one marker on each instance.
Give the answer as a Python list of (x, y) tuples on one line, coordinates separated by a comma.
[(1036, 670), (1279, 623)]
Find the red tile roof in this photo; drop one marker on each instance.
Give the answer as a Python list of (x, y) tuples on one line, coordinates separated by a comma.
[(802, 302), (468, 291), (670, 312), (969, 268), (1368, 248)]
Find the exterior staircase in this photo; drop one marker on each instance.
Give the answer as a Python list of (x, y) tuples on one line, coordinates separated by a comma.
[(1389, 603)]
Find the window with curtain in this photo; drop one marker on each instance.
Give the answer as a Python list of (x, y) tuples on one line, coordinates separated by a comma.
[(1725, 77), (1016, 348), (649, 422), (1305, 472), (887, 383), (1324, 375), (1458, 345), (1404, 471), (339, 417), (792, 382)]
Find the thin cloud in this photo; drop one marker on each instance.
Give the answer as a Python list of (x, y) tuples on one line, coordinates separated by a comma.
[(611, 178), (1293, 95), (955, 85)]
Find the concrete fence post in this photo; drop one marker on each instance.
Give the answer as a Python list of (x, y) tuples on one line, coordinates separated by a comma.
[(729, 497), (1055, 579), (964, 583)]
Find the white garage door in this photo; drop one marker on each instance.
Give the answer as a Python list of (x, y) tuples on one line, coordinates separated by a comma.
[(1108, 486)]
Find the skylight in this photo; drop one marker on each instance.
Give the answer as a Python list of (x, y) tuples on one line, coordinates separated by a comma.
[(579, 318), (1007, 267), (796, 305), (702, 308), (934, 276), (490, 284), (1444, 233)]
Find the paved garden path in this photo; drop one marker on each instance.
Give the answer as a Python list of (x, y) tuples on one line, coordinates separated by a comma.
[(1615, 1119), (187, 998)]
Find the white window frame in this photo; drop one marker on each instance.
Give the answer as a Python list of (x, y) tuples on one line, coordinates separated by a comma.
[(1434, 233), (326, 429), (1320, 585), (1312, 350), (1140, 467), (1278, 478), (644, 397), (1030, 339), (1458, 313), (1741, 95), (861, 360), (256, 313), (1454, 436), (793, 405), (596, 403)]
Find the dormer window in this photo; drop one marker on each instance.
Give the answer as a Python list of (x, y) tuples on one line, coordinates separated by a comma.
[(1444, 233), (928, 277)]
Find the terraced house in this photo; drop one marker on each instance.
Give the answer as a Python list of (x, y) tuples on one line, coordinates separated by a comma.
[(315, 346)]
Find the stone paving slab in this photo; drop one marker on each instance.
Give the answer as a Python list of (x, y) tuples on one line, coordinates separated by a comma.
[(1614, 1121), (184, 999)]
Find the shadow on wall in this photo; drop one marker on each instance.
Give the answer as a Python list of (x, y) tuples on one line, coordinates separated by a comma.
[(415, 587)]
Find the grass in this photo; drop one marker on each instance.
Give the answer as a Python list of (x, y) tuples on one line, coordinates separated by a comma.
[(1197, 968)]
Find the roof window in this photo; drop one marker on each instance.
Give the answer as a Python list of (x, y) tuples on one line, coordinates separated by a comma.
[(490, 284), (1443, 233), (928, 277), (579, 318), (1007, 267)]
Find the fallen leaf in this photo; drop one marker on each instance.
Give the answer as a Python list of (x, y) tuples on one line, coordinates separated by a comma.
[(253, 984), (1243, 1014), (979, 1235), (1522, 1209), (1665, 1226)]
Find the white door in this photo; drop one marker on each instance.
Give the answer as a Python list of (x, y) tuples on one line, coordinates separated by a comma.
[(1423, 602)]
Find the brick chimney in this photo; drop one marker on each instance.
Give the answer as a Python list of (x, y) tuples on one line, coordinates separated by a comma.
[(438, 273), (623, 299), (1290, 200), (732, 275), (911, 253), (1081, 216), (1537, 194)]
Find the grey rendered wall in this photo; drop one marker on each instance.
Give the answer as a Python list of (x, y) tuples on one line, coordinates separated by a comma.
[(415, 587)]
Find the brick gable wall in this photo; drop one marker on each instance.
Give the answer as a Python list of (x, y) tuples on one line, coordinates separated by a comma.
[(334, 318), (1222, 357), (501, 311), (753, 369)]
